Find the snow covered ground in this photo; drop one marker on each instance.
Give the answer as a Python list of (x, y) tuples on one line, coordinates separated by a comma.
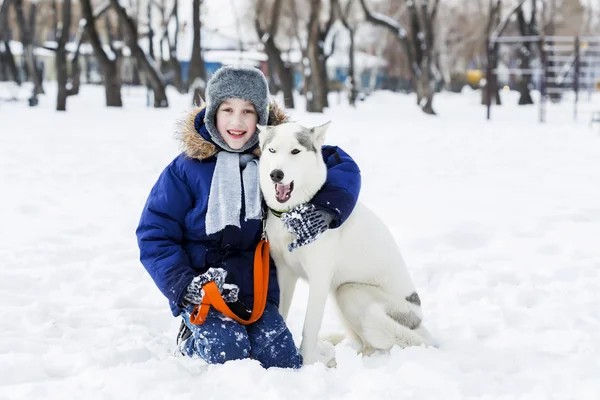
[(499, 224)]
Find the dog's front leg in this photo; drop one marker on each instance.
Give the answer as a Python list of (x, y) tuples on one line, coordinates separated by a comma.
[(317, 296), (287, 284)]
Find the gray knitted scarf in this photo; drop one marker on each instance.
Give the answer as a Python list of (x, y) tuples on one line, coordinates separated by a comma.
[(234, 172)]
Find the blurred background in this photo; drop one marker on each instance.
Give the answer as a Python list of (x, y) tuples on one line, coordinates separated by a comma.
[(305, 47)]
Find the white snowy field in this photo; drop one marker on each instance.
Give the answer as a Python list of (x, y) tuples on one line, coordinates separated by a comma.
[(499, 223)]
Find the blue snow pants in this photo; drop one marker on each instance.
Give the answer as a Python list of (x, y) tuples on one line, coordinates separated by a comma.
[(220, 339)]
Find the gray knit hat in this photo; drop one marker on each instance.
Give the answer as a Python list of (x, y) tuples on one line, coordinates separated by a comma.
[(243, 82)]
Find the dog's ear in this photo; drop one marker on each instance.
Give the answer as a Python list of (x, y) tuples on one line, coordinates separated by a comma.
[(319, 132), (262, 134)]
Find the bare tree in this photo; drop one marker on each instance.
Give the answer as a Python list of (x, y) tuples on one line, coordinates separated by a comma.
[(314, 50), (75, 77), (418, 46), (496, 29), (173, 44), (27, 37), (172, 66), (526, 28), (8, 67), (197, 73), (108, 65), (491, 49), (301, 42), (4, 16), (147, 65), (345, 18), (62, 36), (316, 80), (324, 31), (150, 31), (277, 67)]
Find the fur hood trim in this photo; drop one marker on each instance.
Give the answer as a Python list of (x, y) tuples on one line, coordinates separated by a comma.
[(195, 146)]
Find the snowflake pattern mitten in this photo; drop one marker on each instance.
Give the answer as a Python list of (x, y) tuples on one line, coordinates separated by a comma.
[(307, 222), (194, 293)]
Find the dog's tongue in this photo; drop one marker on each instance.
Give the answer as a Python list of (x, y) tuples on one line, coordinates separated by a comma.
[(283, 192)]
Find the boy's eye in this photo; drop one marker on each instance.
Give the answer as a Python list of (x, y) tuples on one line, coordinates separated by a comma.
[(295, 151), (271, 150)]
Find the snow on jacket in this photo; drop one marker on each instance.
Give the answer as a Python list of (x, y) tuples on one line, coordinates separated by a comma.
[(174, 246)]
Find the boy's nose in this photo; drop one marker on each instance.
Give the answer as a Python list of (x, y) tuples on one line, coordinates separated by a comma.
[(236, 120)]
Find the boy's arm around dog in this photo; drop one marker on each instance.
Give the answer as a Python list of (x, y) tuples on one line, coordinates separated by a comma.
[(339, 194)]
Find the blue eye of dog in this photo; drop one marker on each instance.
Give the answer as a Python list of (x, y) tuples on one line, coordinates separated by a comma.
[(272, 150), (295, 151)]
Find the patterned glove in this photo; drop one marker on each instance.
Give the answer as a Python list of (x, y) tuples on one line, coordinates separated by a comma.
[(307, 222), (194, 293)]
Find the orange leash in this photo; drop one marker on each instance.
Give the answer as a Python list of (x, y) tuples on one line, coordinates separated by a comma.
[(212, 296)]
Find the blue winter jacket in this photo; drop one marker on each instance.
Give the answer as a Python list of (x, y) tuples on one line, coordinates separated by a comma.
[(174, 246)]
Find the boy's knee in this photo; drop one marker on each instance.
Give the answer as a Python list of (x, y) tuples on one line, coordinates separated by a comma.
[(272, 342), (279, 351), (227, 348)]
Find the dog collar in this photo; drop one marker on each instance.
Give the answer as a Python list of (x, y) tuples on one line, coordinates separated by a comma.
[(277, 213)]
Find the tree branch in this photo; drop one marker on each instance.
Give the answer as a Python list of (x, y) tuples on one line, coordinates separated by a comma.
[(275, 18), (502, 26), (385, 21), (331, 19)]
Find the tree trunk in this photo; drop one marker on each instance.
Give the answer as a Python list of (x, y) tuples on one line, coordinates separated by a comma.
[(315, 96), (418, 48), (112, 83), (524, 56), (27, 35), (525, 79), (61, 57), (174, 64), (324, 78), (277, 67), (4, 16), (344, 17), (8, 66), (351, 72), (197, 70), (154, 77), (150, 32), (112, 78), (10, 70), (428, 87)]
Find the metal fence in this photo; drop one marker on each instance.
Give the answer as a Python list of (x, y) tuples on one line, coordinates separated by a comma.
[(560, 64)]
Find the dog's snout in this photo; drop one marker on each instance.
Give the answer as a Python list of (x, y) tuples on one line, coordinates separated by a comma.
[(276, 175)]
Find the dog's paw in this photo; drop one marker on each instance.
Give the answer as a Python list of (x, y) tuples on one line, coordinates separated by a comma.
[(326, 354)]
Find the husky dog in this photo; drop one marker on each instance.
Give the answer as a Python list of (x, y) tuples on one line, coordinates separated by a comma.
[(359, 262)]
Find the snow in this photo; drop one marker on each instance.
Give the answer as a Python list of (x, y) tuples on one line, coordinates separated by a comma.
[(498, 222)]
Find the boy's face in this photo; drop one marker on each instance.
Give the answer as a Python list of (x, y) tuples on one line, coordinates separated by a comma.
[(236, 122)]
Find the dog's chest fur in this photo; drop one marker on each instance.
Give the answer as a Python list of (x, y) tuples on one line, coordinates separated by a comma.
[(279, 239)]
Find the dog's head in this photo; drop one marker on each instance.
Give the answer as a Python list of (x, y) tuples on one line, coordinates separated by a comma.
[(291, 165)]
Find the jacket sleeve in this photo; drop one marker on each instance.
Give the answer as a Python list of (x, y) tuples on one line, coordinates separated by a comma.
[(160, 234), (339, 194)]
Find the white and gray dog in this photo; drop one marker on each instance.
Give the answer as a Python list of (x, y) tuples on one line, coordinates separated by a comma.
[(359, 262)]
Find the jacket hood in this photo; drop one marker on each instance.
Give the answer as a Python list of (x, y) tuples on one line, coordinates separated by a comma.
[(195, 140)]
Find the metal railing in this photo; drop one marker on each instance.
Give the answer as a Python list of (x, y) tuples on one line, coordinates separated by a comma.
[(564, 64)]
